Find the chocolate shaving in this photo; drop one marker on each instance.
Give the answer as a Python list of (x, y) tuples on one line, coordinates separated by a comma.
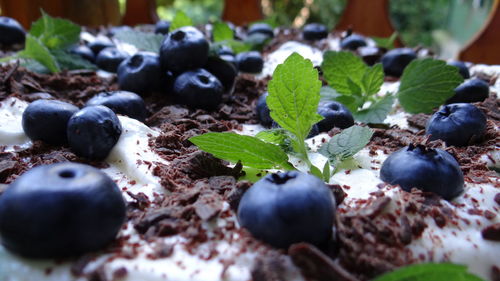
[(491, 232)]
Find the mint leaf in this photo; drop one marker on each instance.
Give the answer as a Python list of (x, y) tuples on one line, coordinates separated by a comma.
[(429, 272), (343, 69), (427, 84), (387, 42), (251, 151), (279, 137), (294, 95), (346, 144), (373, 78), (69, 61), (35, 49), (180, 20), (55, 33), (145, 41), (328, 94), (377, 112), (222, 32)]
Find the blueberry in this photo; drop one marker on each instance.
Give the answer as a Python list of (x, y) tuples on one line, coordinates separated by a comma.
[(100, 44), (335, 115), (60, 210), (225, 50), (47, 120), (263, 112), (262, 28), (474, 90), (93, 132), (162, 27), (395, 61), (352, 42), (198, 89), (11, 32), (121, 102), (184, 49), (370, 55), (314, 31), (462, 68), (142, 74), (286, 208), (457, 124), (314, 131), (431, 170), (110, 58), (84, 52), (224, 71), (250, 62)]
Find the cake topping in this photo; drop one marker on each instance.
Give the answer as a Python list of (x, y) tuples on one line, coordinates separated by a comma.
[(396, 60), (462, 68), (121, 102), (473, 90), (314, 31), (198, 89), (11, 32)]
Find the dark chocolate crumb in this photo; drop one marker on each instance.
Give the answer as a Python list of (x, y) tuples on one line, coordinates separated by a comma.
[(491, 232)]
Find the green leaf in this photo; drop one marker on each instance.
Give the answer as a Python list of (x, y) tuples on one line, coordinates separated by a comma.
[(387, 42), (377, 112), (69, 61), (327, 174), (294, 95), (274, 136), (145, 41), (34, 49), (343, 69), (346, 144), (222, 32), (251, 151), (373, 79), (427, 84), (328, 94), (55, 33), (34, 66), (430, 272), (180, 20)]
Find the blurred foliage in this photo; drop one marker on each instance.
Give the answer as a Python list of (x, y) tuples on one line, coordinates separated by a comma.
[(200, 11)]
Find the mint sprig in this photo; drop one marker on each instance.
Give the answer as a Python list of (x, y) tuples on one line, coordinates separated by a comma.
[(427, 84), (180, 20), (224, 36), (55, 33), (430, 272), (145, 41), (222, 32), (386, 42)]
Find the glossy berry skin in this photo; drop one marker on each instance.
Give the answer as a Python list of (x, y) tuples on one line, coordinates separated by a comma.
[(60, 210), (110, 58), (262, 111), (457, 124), (121, 102), (198, 89), (462, 68), (335, 115), (100, 44), (473, 90), (93, 132), (162, 27), (314, 31), (250, 62), (184, 49), (142, 74), (11, 32), (353, 42), (286, 208), (224, 71), (395, 61), (370, 55), (84, 52), (431, 170), (262, 28), (47, 120)]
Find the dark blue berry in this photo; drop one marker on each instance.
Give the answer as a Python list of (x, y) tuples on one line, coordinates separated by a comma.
[(370, 55), (198, 89), (110, 58), (314, 31), (84, 52), (352, 42), (457, 124), (431, 170), (462, 68), (47, 120), (100, 44), (474, 90), (142, 74), (250, 62), (60, 210), (263, 112), (262, 28), (162, 27), (224, 71), (335, 115), (121, 102), (286, 208), (11, 32), (395, 61), (93, 132), (184, 49)]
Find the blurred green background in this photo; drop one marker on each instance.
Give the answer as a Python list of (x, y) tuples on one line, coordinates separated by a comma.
[(444, 25)]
